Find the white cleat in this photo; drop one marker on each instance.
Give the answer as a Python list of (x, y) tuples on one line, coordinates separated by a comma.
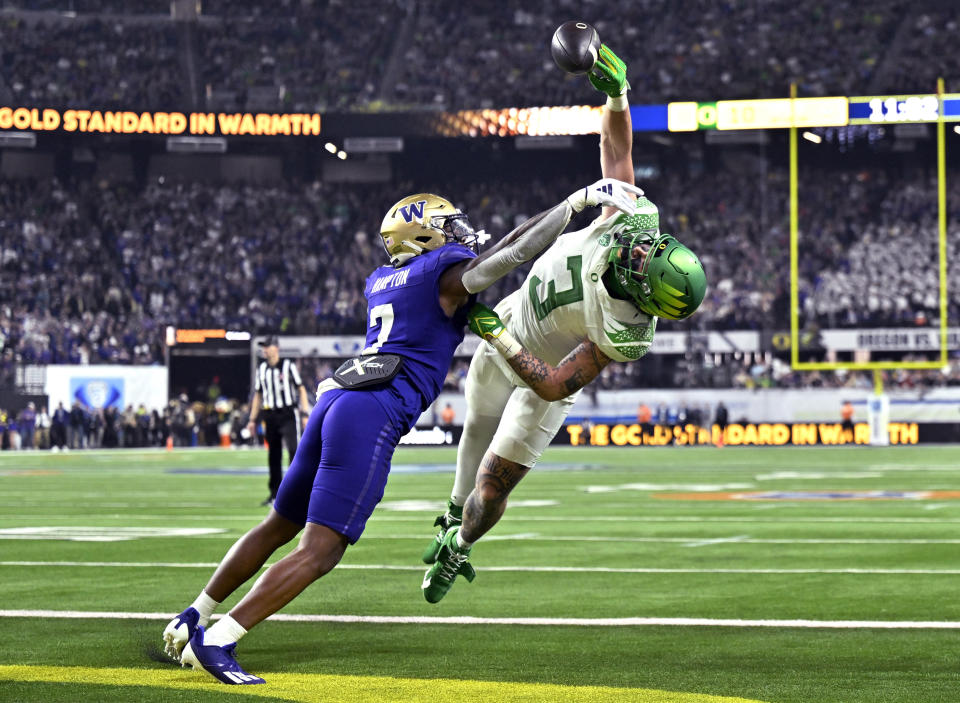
[(178, 632)]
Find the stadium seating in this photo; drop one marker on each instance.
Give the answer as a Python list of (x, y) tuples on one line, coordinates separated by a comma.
[(270, 258), (428, 54)]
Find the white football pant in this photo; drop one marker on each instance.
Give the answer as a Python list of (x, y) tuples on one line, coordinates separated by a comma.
[(504, 416)]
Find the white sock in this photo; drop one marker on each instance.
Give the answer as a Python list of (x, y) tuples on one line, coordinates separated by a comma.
[(461, 542), (205, 605), (225, 631)]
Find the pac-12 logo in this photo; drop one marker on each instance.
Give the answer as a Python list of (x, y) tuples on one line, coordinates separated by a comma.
[(97, 392), (408, 212)]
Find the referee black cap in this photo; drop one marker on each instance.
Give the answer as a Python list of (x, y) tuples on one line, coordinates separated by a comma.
[(269, 341)]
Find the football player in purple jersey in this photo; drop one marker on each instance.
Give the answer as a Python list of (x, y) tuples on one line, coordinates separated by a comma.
[(417, 312)]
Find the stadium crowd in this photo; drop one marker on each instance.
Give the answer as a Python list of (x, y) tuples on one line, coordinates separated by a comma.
[(181, 423), (96, 63), (93, 272), (310, 59), (309, 55)]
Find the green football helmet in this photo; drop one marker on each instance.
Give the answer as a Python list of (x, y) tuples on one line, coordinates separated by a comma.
[(662, 276)]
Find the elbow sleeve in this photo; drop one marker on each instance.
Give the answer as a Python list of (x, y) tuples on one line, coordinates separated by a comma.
[(527, 245)]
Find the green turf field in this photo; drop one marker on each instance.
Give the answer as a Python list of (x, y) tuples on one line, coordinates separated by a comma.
[(611, 578)]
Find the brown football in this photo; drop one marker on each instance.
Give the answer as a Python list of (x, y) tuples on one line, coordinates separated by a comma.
[(574, 47)]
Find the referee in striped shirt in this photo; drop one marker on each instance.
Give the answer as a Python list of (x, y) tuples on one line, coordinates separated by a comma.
[(278, 391)]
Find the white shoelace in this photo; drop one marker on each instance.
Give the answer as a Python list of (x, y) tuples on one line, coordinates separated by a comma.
[(450, 566)]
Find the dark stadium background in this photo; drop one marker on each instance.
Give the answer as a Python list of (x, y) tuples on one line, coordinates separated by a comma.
[(108, 240)]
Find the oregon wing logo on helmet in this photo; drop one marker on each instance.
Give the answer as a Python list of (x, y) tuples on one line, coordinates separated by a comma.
[(664, 278), (421, 223)]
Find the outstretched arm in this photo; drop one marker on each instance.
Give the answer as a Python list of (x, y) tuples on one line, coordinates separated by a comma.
[(574, 371), (522, 244), (616, 127)]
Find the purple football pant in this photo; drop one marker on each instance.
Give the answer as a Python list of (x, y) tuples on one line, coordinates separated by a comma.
[(339, 472)]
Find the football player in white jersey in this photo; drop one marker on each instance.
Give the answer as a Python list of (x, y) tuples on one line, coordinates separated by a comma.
[(593, 297)]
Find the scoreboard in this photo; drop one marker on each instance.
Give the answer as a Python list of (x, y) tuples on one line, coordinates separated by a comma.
[(782, 113), (903, 108), (757, 114)]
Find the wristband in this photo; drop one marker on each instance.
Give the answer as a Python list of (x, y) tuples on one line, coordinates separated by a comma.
[(617, 104), (505, 344)]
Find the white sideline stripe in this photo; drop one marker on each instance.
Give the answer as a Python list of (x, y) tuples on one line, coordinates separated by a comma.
[(510, 518), (468, 620), (511, 569), (785, 520), (691, 541), (685, 541)]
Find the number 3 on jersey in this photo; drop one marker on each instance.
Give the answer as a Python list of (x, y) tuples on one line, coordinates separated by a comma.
[(542, 308), (384, 315)]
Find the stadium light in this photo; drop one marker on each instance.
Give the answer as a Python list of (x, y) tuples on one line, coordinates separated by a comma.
[(341, 155), (194, 145), (21, 140), (331, 147), (812, 137)]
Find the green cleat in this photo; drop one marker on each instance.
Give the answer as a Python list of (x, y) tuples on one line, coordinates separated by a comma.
[(451, 561), (453, 516)]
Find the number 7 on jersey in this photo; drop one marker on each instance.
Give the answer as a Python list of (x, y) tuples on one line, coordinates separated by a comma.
[(384, 315)]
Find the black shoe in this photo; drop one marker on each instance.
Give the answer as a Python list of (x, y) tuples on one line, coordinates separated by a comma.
[(268, 501)]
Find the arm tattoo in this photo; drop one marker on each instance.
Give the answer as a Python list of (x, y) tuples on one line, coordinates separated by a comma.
[(535, 372), (596, 359), (575, 382), (528, 367)]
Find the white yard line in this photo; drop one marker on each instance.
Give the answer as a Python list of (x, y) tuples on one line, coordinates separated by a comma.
[(690, 541), (522, 569), (510, 518), (717, 540), (693, 541), (62, 533), (781, 520), (467, 620)]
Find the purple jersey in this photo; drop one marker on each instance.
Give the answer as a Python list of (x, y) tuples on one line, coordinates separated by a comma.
[(404, 317), (340, 469)]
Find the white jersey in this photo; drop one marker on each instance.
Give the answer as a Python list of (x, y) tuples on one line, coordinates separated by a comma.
[(563, 301)]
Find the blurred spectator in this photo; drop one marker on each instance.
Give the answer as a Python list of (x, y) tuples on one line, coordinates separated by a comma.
[(27, 422), (720, 418), (5, 423), (77, 427), (447, 416), (111, 431), (644, 416), (846, 416), (58, 428), (44, 423)]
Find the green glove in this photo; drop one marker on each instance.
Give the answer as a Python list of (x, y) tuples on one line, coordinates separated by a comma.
[(487, 325), (609, 75), (484, 322)]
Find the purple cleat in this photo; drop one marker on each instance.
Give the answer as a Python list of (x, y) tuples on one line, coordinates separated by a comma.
[(216, 661), (179, 631)]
